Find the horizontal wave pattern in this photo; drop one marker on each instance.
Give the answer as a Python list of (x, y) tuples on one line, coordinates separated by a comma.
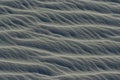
[(59, 39)]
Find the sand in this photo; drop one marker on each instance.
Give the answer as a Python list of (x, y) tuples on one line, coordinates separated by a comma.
[(59, 39)]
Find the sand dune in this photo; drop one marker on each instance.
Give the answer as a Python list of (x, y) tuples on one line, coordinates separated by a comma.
[(59, 39)]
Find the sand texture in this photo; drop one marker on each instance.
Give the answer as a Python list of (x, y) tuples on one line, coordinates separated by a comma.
[(59, 39)]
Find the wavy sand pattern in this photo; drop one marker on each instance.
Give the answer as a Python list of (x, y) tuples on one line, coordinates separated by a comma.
[(59, 39)]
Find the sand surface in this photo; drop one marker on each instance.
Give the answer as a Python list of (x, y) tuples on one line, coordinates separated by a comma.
[(59, 39)]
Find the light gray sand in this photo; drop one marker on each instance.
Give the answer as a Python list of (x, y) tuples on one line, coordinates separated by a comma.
[(59, 39)]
